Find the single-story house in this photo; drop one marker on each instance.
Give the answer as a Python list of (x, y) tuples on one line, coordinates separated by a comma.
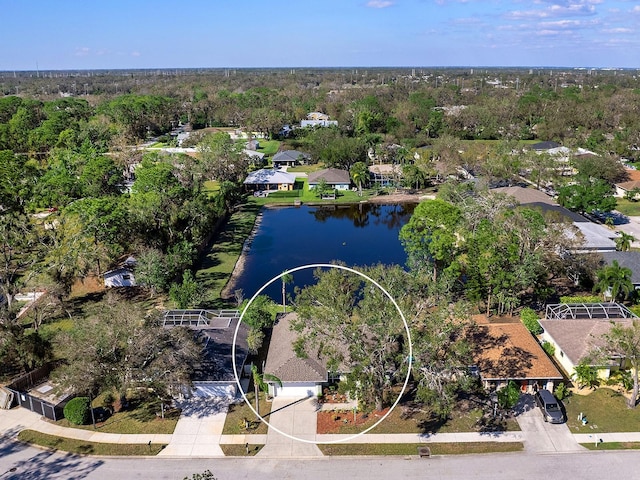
[(300, 377), (576, 330), (596, 237), (385, 174), (334, 178), (289, 158), (120, 277), (318, 119), (630, 260), (631, 187), (270, 179), (213, 376), (508, 351)]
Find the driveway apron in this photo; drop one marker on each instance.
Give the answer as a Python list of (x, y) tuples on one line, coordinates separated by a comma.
[(295, 417), (543, 437), (199, 429)]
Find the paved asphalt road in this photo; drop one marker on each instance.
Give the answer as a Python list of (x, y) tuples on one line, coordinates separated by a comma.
[(34, 464)]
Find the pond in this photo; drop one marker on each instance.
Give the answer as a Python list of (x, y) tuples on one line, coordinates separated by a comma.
[(288, 237)]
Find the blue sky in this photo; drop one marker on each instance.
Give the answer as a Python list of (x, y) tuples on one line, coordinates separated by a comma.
[(81, 34)]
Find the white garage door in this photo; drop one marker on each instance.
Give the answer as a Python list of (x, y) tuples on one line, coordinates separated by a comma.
[(297, 390), (214, 390)]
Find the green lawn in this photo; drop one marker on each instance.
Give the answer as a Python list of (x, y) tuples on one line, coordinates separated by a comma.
[(306, 168), (631, 209), (238, 413), (412, 448), (142, 419), (606, 411), (88, 448), (268, 147), (219, 261), (233, 450), (612, 446)]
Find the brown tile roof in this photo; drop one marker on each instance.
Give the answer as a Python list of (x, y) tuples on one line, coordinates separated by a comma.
[(633, 174), (282, 360), (576, 338), (507, 351), (629, 185)]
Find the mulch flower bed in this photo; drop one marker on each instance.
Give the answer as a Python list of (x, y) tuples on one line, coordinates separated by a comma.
[(335, 421)]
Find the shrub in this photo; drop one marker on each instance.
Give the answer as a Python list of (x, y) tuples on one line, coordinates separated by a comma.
[(77, 410), (530, 318), (549, 348), (586, 375), (581, 299), (561, 392), (509, 395), (621, 377)]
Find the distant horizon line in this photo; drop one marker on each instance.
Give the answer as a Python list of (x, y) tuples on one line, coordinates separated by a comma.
[(353, 67)]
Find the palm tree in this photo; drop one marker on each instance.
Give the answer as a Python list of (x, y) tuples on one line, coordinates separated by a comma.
[(359, 174), (286, 278), (260, 383), (624, 241), (614, 280)]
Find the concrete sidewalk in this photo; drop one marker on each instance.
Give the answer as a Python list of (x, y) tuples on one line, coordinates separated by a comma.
[(19, 418), (199, 433)]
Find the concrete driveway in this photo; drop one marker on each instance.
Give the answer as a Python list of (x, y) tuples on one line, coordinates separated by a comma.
[(199, 428), (631, 228), (295, 417), (541, 436)]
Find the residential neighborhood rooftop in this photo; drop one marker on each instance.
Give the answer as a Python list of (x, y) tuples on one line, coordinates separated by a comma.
[(330, 175), (579, 337), (283, 362), (508, 351), (267, 176)]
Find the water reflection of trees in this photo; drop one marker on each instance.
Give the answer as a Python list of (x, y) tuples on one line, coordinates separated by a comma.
[(361, 214)]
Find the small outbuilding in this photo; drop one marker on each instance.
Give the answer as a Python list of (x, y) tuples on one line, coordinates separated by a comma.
[(120, 277)]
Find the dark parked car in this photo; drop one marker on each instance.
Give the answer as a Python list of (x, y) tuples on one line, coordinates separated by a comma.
[(550, 407)]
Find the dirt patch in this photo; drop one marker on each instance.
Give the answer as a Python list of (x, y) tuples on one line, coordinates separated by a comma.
[(339, 421), (87, 285), (400, 198)]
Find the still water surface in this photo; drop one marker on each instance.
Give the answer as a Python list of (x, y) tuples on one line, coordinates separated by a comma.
[(288, 237)]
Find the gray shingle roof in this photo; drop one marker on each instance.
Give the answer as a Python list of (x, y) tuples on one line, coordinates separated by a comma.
[(333, 176), (546, 145), (217, 363), (630, 260), (576, 338), (289, 156), (282, 360)]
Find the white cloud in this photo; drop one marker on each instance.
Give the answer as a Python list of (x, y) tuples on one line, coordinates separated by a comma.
[(379, 3), (135, 54), (618, 30), (82, 51)]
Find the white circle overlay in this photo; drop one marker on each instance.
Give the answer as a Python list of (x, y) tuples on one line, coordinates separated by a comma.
[(340, 267)]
